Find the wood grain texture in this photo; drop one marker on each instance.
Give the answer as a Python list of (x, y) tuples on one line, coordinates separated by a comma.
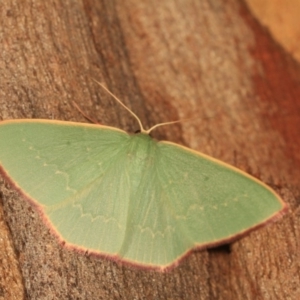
[(11, 285), (281, 18), (166, 60)]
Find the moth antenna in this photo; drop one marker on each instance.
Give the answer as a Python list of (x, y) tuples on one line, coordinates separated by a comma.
[(120, 102), (168, 123), (84, 114), (162, 124)]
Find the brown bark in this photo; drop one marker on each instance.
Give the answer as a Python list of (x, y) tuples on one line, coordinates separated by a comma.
[(166, 60)]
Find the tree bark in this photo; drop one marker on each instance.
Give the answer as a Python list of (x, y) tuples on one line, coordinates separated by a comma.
[(167, 60)]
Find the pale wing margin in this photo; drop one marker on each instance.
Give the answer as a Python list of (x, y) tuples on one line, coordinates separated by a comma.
[(153, 237), (71, 171), (186, 200), (210, 200)]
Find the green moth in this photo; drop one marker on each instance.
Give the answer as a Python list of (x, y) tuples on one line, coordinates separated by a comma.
[(130, 197)]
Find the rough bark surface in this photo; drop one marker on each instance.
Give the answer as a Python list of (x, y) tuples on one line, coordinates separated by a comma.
[(166, 60), (282, 20)]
